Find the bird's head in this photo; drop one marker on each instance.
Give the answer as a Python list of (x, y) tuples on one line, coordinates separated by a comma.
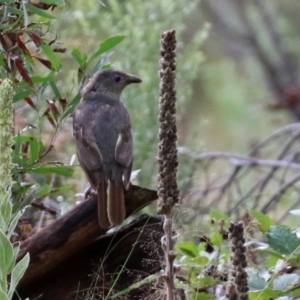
[(109, 82)]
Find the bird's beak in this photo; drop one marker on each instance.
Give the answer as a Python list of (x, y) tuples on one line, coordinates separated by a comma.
[(133, 79)]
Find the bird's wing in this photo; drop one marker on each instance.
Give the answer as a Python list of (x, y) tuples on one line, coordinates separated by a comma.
[(123, 153), (88, 151), (123, 150)]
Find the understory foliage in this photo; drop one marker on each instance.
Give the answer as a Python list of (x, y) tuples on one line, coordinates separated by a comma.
[(10, 272), (213, 266)]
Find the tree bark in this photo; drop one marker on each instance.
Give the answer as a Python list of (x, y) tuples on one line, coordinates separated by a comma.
[(108, 265), (71, 233)]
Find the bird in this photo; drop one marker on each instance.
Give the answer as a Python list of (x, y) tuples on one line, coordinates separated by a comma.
[(102, 131)]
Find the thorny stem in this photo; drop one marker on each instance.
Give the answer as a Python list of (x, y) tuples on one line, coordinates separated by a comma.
[(167, 155)]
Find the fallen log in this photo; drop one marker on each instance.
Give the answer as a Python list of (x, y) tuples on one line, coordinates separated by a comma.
[(71, 233), (110, 264)]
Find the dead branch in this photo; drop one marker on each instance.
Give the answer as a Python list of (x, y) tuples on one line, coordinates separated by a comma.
[(240, 160)]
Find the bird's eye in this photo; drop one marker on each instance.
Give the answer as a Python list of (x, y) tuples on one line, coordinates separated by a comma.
[(117, 78)]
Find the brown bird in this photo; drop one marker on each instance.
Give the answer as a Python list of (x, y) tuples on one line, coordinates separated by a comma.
[(101, 127)]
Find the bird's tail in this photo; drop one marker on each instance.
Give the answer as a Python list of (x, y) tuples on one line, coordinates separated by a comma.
[(102, 204), (115, 205)]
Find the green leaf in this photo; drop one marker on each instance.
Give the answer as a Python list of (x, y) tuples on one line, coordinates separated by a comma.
[(255, 282), (3, 295), (26, 21), (264, 222), (27, 199), (295, 259), (38, 11), (281, 239), (296, 293), (273, 258), (3, 64), (10, 26), (203, 281), (61, 190), (43, 191), (6, 254), (16, 151), (40, 79), (21, 95), (39, 179), (5, 212), (17, 273), (285, 282), (189, 249), (71, 106), (29, 62), (80, 57), (55, 89), (18, 139), (201, 247), (13, 224), (36, 146), (265, 294), (216, 239), (107, 45), (58, 3), (14, 10), (60, 170), (51, 56), (200, 261)]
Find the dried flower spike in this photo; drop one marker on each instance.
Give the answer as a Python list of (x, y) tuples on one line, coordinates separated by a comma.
[(238, 286), (167, 159), (167, 149)]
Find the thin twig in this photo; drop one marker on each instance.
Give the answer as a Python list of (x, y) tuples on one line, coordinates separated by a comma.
[(278, 194), (274, 169), (281, 131), (239, 160)]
